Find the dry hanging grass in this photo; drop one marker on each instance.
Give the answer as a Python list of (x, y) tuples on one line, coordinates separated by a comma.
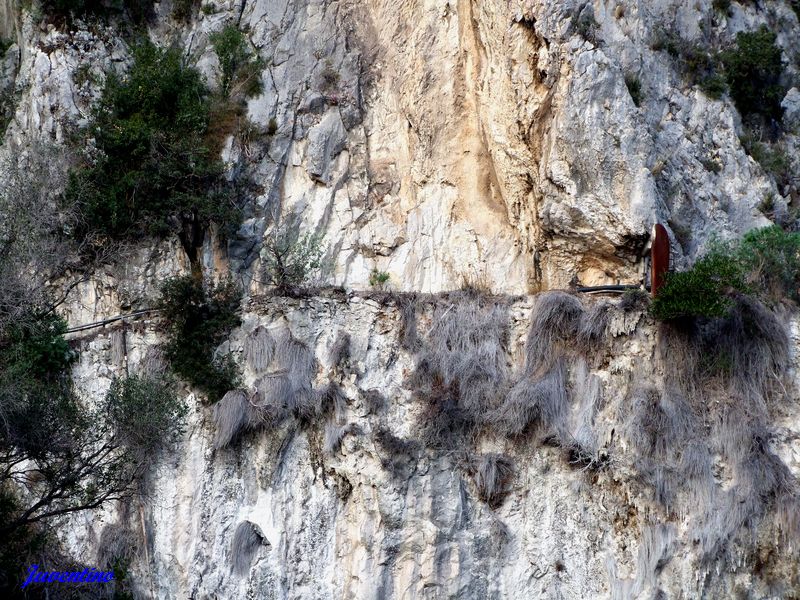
[(246, 541), (492, 473), (259, 349)]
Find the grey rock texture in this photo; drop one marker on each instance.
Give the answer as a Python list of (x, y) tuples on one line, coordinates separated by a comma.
[(791, 108), (381, 516), (445, 142), (454, 142)]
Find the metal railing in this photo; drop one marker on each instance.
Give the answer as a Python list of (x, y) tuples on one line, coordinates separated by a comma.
[(105, 322)]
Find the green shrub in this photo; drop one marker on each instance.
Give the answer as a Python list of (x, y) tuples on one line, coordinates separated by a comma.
[(147, 414), (666, 40), (771, 258), (713, 85), (711, 165), (722, 6), (702, 68), (8, 106), (753, 70), (182, 9), (290, 258), (39, 409), (772, 157), (329, 76), (767, 205), (34, 347), (703, 290), (586, 25), (241, 73), (138, 11), (155, 173), (634, 86), (378, 278), (198, 320), (765, 262), (59, 455)]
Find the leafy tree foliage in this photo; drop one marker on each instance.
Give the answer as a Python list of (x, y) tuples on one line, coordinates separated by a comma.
[(240, 70), (753, 70), (146, 414), (59, 456), (702, 291), (766, 262), (69, 457), (154, 173), (198, 321), (289, 257), (771, 258), (138, 11)]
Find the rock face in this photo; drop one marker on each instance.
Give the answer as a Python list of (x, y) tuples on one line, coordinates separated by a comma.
[(451, 142), (493, 143), (353, 505)]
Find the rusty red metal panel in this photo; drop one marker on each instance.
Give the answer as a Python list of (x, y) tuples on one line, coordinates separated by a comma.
[(659, 254)]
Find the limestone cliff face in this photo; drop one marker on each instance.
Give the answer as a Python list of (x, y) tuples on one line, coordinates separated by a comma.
[(354, 506), (456, 141)]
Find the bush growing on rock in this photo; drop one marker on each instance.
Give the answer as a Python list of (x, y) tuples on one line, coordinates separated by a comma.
[(241, 73), (138, 11), (765, 262), (461, 368), (198, 320), (289, 257), (702, 291), (772, 157), (753, 70), (182, 9), (147, 414), (70, 457), (153, 173), (378, 279), (285, 391), (634, 85), (771, 257)]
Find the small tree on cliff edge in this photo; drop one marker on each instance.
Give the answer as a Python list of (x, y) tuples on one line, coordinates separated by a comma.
[(289, 257)]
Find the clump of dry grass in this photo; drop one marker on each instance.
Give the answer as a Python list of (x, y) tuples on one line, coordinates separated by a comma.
[(246, 541), (331, 399), (154, 363), (398, 455), (334, 435), (340, 350), (117, 544), (555, 325), (259, 349), (542, 400), (409, 336), (289, 386), (232, 415), (722, 377), (492, 474), (461, 368)]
